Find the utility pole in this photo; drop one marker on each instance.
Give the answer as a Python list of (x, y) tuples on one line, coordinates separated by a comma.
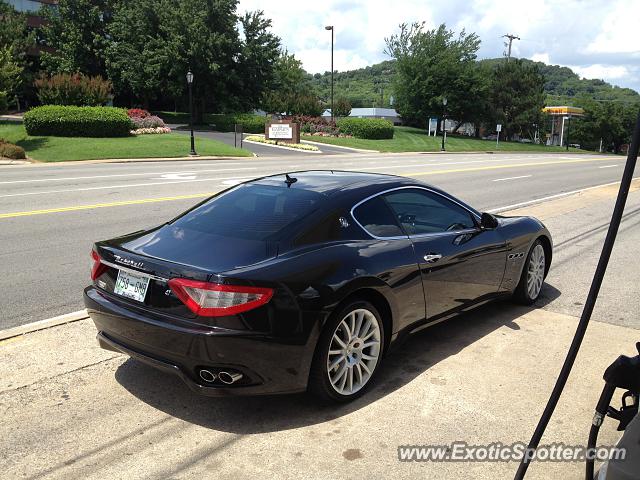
[(511, 39)]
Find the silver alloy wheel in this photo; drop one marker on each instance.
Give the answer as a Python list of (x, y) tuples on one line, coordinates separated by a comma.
[(535, 272), (354, 351)]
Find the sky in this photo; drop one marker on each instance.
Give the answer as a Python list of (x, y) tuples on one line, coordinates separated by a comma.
[(597, 39)]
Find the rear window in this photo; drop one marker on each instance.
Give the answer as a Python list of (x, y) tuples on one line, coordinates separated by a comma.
[(256, 212)]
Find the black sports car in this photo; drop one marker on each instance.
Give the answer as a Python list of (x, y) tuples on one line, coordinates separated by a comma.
[(305, 280)]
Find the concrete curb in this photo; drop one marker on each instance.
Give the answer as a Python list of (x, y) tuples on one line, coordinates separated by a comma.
[(282, 147), (320, 144), (43, 324)]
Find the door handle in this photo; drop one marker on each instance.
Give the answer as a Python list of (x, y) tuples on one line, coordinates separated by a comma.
[(432, 257)]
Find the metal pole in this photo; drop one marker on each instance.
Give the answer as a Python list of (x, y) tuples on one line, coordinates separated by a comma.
[(497, 140), (590, 303), (568, 125), (444, 129), (332, 115), (193, 143), (562, 132)]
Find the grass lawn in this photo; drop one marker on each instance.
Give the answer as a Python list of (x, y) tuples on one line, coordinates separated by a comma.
[(59, 149), (407, 139)]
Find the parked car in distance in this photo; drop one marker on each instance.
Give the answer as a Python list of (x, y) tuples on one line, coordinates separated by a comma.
[(305, 281)]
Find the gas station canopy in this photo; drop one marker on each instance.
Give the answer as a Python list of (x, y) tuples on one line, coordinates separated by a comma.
[(564, 111)]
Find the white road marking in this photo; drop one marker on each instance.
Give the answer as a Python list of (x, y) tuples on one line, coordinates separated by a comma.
[(608, 166), (550, 197), (176, 176), (128, 185), (511, 178)]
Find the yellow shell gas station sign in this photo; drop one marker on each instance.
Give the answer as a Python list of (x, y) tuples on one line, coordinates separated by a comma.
[(565, 111)]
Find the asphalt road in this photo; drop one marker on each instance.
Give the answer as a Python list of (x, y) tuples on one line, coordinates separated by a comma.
[(259, 150), (51, 214)]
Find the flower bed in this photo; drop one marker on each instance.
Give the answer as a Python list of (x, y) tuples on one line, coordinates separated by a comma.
[(150, 131), (298, 146)]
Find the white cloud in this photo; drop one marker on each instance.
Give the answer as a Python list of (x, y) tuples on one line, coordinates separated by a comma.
[(619, 30), (604, 72), (597, 37), (541, 57)]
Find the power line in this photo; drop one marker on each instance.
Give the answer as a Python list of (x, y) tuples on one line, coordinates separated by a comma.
[(511, 39)]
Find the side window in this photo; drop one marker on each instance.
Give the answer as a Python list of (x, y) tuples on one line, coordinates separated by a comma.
[(377, 219), (420, 211)]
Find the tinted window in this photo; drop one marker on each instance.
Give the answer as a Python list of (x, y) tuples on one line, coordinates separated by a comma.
[(326, 229), (376, 218), (257, 212), (420, 211)]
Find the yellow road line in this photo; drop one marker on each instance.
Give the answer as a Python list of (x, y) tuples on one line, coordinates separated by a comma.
[(203, 195), (498, 167), (103, 205)]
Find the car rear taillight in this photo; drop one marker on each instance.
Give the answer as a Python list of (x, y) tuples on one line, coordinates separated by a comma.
[(97, 267), (216, 300)]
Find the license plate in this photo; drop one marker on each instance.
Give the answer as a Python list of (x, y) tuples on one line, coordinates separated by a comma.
[(131, 285)]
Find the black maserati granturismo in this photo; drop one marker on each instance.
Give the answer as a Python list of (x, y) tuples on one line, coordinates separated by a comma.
[(305, 281)]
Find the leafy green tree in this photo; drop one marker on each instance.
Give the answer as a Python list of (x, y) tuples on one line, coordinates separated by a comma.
[(133, 53), (342, 107), (288, 88), (432, 65), (259, 54), (611, 122), (516, 97), (76, 32), (15, 42), (10, 79)]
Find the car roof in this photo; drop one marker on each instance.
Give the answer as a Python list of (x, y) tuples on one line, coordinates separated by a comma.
[(330, 182)]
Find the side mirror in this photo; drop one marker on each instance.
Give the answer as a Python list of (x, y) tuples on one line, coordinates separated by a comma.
[(488, 221)]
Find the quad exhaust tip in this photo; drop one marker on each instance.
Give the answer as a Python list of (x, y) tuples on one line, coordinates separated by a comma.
[(207, 375), (229, 377)]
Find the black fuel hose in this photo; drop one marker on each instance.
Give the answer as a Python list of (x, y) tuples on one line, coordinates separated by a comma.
[(598, 417), (590, 303)]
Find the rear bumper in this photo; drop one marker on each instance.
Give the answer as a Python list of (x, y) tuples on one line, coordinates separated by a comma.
[(269, 365)]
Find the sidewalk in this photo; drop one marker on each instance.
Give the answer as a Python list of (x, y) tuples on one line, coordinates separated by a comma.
[(73, 411)]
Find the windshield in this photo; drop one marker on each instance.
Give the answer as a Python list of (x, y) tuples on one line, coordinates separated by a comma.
[(256, 212)]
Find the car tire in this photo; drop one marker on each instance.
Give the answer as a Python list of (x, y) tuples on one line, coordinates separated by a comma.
[(533, 275), (348, 354)]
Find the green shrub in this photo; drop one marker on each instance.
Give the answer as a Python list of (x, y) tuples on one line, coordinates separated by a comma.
[(9, 150), (250, 123), (369, 128), (73, 89), (69, 121)]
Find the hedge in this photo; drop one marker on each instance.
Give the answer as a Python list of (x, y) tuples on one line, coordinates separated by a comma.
[(250, 123), (369, 128), (70, 121)]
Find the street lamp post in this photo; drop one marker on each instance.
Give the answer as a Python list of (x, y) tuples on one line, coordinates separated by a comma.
[(330, 27), (444, 122), (190, 82)]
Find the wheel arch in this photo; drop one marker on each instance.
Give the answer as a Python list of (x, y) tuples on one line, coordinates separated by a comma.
[(548, 251)]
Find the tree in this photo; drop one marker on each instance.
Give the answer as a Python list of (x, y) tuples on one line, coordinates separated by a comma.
[(342, 107), (9, 76), (432, 65), (132, 56), (15, 42), (516, 97), (611, 122), (76, 32), (289, 86), (259, 55)]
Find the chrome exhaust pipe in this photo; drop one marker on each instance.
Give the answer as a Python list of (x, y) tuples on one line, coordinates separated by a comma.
[(207, 375), (229, 377)]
